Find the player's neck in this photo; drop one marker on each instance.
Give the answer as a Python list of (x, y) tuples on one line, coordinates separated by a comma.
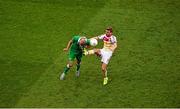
[(108, 35)]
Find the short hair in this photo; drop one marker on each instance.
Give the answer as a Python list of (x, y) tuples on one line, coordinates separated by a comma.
[(109, 29)]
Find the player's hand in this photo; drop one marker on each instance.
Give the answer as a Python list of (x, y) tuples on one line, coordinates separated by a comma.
[(112, 49), (65, 49)]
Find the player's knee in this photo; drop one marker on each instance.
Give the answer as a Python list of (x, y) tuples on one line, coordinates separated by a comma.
[(69, 65), (78, 63), (97, 52), (103, 68)]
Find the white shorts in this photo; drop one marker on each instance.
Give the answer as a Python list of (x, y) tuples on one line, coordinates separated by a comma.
[(105, 55)]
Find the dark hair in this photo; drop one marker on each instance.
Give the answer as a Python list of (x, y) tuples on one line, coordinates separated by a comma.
[(109, 29)]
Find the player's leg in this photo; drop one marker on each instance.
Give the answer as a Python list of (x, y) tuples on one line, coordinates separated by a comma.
[(106, 56), (104, 70), (68, 66), (78, 64), (104, 73), (90, 52), (66, 69)]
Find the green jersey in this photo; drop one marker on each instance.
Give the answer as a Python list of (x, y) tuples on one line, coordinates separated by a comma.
[(75, 47)]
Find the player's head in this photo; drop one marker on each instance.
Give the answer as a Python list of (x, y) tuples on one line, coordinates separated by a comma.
[(82, 41), (109, 31)]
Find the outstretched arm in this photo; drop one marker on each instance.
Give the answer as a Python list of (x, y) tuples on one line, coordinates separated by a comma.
[(96, 37), (68, 46), (99, 37)]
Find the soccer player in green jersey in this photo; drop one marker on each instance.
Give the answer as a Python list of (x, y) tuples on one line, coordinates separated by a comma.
[(75, 46)]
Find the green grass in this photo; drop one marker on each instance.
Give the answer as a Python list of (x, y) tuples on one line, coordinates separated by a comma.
[(144, 69)]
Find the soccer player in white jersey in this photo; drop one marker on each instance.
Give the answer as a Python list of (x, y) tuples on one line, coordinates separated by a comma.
[(110, 44)]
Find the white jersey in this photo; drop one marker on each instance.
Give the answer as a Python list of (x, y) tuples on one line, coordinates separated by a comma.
[(106, 52), (108, 41)]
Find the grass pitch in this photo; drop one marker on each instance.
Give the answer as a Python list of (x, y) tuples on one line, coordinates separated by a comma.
[(144, 70)]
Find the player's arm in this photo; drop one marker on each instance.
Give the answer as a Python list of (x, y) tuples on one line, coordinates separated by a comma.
[(98, 37), (114, 47), (95, 37), (68, 45)]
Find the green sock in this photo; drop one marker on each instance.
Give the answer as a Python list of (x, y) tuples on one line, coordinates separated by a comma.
[(66, 69), (78, 67)]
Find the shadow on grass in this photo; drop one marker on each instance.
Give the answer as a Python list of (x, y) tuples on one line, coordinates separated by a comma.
[(16, 78)]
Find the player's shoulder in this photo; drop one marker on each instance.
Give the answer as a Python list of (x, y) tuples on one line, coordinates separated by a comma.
[(75, 38), (113, 36), (113, 39)]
